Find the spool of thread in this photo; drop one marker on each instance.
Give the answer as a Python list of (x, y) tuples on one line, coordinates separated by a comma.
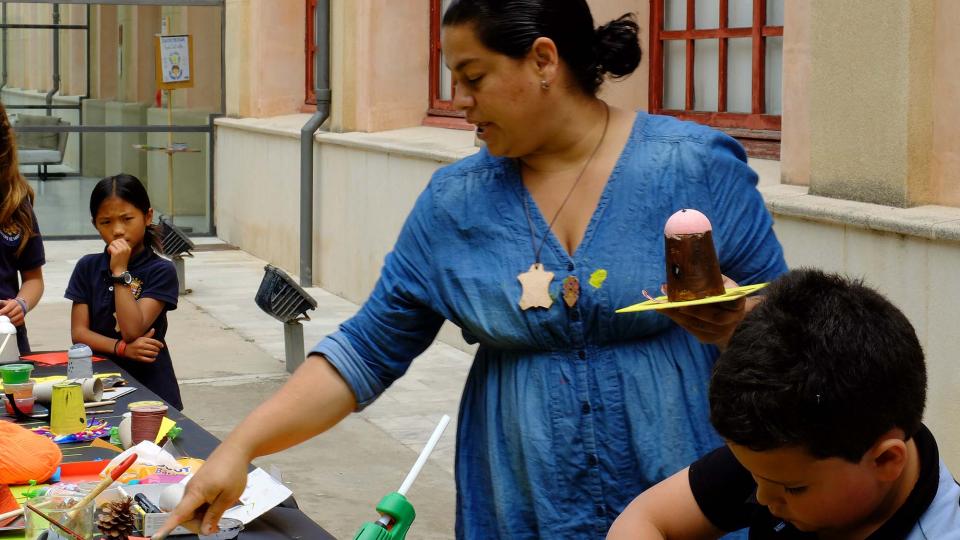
[(145, 422), (67, 414)]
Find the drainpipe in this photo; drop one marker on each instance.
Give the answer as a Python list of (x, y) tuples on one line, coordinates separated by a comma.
[(293, 330), (322, 87), (3, 83), (56, 60)]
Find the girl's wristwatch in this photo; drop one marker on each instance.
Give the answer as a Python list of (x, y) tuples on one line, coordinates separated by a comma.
[(124, 278)]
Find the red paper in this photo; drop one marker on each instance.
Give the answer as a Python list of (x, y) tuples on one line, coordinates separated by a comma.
[(82, 471), (53, 358), (7, 501)]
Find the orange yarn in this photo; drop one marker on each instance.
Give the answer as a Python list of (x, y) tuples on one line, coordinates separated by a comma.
[(26, 456)]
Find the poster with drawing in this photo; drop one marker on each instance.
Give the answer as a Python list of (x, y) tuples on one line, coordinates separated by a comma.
[(174, 61), (175, 55)]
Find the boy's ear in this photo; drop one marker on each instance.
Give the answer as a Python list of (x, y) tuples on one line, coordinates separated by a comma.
[(149, 216), (889, 456)]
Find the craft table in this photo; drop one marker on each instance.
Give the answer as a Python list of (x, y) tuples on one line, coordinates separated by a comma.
[(284, 521)]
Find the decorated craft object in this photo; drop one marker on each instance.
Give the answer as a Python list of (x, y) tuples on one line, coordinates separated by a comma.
[(693, 271), (95, 429)]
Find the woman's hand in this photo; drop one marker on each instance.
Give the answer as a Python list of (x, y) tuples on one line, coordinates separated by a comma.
[(216, 487), (119, 251), (713, 324), (144, 348), (14, 310)]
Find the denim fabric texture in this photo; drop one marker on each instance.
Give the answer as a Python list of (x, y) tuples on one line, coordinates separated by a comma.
[(567, 414)]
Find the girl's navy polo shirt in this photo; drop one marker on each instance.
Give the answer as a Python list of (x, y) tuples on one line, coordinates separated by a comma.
[(153, 277), (12, 264)]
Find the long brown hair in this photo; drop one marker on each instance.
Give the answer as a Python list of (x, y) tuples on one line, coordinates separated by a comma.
[(14, 189)]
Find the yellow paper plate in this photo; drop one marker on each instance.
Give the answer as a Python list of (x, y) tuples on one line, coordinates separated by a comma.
[(661, 301)]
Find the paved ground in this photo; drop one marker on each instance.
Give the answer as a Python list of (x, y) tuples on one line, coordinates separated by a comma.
[(229, 357)]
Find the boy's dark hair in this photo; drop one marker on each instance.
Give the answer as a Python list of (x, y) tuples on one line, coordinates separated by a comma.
[(510, 27), (824, 363), (128, 188)]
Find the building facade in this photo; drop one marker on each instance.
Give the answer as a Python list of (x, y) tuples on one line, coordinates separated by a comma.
[(849, 110)]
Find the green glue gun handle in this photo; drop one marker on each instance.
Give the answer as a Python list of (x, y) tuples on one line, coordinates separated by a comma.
[(399, 510)]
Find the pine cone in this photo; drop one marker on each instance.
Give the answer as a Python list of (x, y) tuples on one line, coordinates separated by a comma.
[(116, 519)]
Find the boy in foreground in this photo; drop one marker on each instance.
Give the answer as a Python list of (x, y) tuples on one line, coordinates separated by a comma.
[(820, 396)]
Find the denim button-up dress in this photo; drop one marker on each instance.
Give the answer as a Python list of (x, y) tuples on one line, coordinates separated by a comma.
[(567, 413)]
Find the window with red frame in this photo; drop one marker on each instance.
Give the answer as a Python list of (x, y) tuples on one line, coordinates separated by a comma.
[(440, 110), (719, 62), (311, 54)]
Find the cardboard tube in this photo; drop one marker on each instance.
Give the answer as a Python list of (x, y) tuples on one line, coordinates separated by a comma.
[(92, 389)]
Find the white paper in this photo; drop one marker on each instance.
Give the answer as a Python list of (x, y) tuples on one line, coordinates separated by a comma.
[(263, 492), (148, 454), (117, 392)]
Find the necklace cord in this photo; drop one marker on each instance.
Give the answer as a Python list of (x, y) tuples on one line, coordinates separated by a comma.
[(526, 207)]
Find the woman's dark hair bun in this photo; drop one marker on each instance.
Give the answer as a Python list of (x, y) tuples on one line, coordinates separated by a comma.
[(618, 47), (510, 27)]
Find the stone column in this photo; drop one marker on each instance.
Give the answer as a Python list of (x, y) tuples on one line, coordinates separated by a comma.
[(871, 99)]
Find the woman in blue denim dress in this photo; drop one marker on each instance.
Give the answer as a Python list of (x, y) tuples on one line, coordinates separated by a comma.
[(529, 246)]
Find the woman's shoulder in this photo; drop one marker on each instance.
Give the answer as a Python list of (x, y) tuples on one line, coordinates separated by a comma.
[(478, 166), (476, 179), (659, 127)]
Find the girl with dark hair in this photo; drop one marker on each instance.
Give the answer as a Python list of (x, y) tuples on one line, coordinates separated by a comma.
[(121, 296), (21, 246), (529, 246)]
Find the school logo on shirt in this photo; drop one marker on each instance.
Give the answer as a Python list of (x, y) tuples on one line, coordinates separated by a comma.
[(136, 287), (10, 233)]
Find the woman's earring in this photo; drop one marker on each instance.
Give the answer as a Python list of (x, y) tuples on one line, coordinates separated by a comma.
[(544, 84)]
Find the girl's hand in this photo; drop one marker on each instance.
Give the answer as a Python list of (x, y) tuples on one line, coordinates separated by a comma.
[(119, 251), (12, 309), (144, 348)]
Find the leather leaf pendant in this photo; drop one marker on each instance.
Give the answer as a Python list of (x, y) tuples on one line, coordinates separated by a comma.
[(571, 291), (535, 287)]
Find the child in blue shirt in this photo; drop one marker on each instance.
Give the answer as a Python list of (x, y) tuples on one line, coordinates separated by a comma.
[(21, 246), (121, 296), (819, 396)]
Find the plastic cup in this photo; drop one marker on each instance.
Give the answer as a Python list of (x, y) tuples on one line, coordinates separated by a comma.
[(24, 405), (56, 507), (15, 373), (19, 390)]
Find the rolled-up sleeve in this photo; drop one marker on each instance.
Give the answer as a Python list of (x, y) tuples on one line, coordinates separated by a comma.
[(747, 247), (397, 323)]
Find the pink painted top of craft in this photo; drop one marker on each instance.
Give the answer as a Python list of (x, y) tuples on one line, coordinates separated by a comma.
[(687, 221)]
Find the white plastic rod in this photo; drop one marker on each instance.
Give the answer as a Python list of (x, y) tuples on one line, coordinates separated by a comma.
[(424, 454), (5, 340)]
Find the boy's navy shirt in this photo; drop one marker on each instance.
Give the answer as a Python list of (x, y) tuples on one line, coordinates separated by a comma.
[(12, 264), (153, 277), (726, 494)]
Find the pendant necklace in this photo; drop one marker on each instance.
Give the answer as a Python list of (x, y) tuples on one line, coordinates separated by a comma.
[(535, 282)]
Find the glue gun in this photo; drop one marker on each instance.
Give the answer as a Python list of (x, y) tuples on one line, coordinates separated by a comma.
[(396, 512)]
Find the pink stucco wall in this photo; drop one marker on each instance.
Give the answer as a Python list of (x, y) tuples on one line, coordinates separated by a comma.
[(945, 159)]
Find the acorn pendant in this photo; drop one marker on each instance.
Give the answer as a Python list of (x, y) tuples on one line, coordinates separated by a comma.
[(535, 287), (571, 291)]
